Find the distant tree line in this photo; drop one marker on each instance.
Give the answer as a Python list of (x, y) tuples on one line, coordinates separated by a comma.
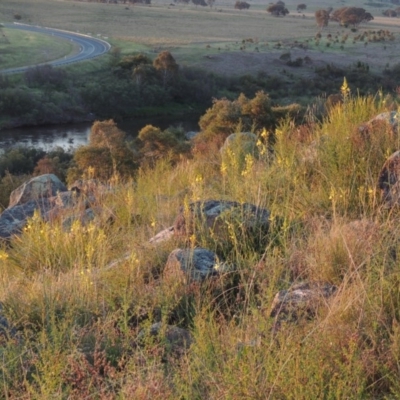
[(301, 7), (351, 16), (242, 5), (117, 1), (278, 9), (392, 13), (346, 16)]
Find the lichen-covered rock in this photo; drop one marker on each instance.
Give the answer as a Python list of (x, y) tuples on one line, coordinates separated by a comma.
[(84, 218), (302, 299), (390, 118), (162, 236), (218, 218), (13, 219), (215, 214), (89, 187), (63, 204), (193, 265), (39, 187), (388, 181), (246, 142)]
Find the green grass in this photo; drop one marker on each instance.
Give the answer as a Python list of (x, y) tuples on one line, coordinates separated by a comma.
[(129, 46), (79, 319), (26, 48)]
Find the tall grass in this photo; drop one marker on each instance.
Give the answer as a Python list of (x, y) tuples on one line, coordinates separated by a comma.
[(78, 318)]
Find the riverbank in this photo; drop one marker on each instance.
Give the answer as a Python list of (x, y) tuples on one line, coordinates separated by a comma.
[(171, 112), (70, 136)]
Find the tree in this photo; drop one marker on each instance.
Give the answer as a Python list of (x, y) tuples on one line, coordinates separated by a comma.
[(156, 144), (46, 76), (106, 155), (351, 16), (55, 162), (143, 73), (133, 60), (322, 18), (199, 3), (210, 3), (241, 5), (277, 9), (166, 65), (389, 13), (301, 7), (252, 115)]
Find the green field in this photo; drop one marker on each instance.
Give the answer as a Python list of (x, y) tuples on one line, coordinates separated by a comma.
[(25, 48), (188, 31)]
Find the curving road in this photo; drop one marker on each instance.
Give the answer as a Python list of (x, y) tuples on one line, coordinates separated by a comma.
[(88, 47)]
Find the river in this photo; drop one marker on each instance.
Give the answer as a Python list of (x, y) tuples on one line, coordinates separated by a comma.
[(71, 136)]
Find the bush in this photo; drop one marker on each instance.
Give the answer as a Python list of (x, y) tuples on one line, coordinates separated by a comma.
[(19, 160), (252, 115)]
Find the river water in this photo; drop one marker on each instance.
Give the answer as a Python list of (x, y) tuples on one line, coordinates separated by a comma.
[(71, 136)]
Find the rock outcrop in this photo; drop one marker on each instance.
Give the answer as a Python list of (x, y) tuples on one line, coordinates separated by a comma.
[(37, 188), (193, 265), (215, 216), (302, 299), (390, 118), (47, 195), (245, 141), (13, 219)]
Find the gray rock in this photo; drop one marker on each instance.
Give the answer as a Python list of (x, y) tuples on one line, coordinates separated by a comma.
[(215, 214), (6, 331), (89, 187), (65, 199), (63, 203), (47, 195), (388, 181), (84, 217), (39, 187), (301, 299), (13, 219), (191, 135), (193, 265), (245, 141), (162, 236), (38, 194), (391, 118)]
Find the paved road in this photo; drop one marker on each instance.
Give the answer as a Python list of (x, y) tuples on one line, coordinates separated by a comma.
[(88, 47)]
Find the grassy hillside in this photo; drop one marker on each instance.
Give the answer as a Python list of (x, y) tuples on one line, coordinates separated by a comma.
[(79, 318), (196, 34)]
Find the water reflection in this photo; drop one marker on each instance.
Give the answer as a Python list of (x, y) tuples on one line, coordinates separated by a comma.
[(69, 137)]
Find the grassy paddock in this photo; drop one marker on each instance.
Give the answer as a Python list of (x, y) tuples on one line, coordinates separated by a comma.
[(187, 31), (24, 48)]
